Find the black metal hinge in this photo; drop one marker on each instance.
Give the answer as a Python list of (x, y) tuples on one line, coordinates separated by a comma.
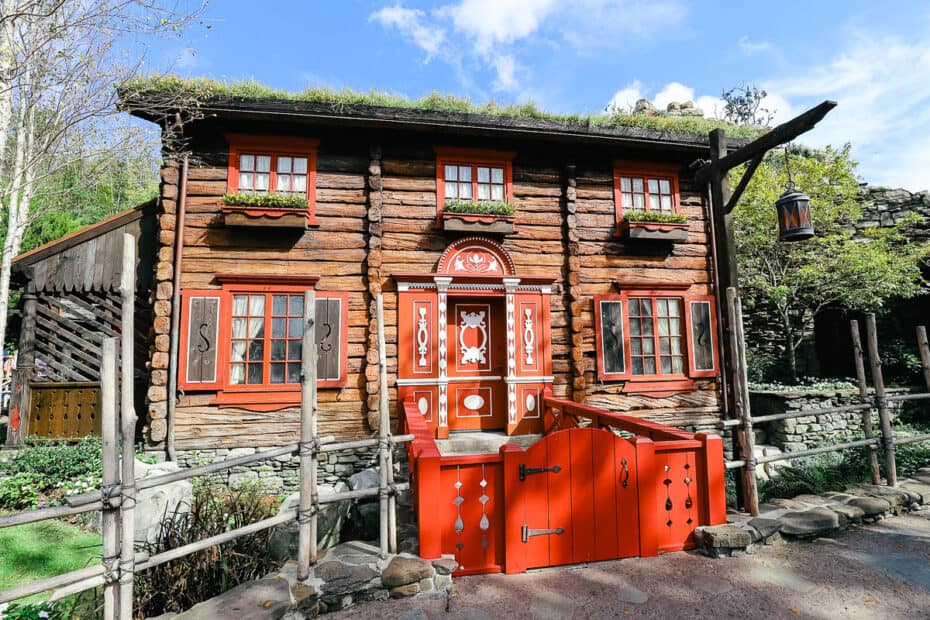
[(526, 471)]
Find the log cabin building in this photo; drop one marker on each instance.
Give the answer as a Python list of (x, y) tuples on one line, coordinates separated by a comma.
[(589, 278)]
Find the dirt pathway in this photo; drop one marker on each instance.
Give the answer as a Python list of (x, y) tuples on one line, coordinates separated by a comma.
[(877, 571)]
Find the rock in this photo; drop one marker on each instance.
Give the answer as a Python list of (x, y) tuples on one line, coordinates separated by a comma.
[(870, 506), (816, 500), (339, 578), (673, 106), (787, 503), (766, 527), (405, 570), (365, 517), (644, 106), (426, 585), (442, 582), (405, 591), (366, 479), (922, 491), (810, 523), (253, 600), (445, 566), (331, 518), (853, 513), (894, 497)]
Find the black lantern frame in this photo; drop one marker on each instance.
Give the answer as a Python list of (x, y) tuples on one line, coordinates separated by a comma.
[(794, 216)]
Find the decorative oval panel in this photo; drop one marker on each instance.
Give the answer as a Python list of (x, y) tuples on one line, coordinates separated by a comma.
[(423, 405), (530, 402), (473, 402)]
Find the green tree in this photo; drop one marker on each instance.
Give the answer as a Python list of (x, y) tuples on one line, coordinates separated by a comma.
[(792, 282)]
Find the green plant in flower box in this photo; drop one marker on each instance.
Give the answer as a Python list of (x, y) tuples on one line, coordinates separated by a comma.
[(659, 217), (267, 201), (479, 207)]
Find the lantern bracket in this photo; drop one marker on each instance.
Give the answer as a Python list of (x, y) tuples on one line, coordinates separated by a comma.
[(744, 181)]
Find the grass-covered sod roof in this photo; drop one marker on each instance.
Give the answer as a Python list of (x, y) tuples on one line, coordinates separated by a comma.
[(204, 90)]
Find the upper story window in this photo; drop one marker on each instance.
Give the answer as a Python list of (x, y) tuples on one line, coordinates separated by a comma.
[(655, 337), (265, 165), (641, 188), (473, 175)]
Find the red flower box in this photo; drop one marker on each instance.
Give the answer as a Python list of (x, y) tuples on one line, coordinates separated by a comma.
[(477, 224), (266, 217), (653, 231)]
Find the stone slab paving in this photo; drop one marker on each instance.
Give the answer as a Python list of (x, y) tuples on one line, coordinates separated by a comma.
[(876, 570)]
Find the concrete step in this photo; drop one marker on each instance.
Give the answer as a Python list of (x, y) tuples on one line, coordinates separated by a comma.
[(481, 442)]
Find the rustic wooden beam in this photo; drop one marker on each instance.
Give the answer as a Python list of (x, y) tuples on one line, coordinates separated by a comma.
[(786, 132), (744, 181), (859, 361), (878, 381)]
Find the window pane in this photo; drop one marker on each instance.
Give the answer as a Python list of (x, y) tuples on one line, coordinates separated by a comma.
[(263, 163), (612, 336), (645, 305), (296, 305), (626, 200), (653, 202), (676, 346), (284, 164), (452, 173), (256, 350), (279, 328), (300, 165), (637, 365), (626, 185), (701, 336), (279, 305), (293, 373), (636, 346), (246, 162), (638, 185), (666, 203), (665, 186), (245, 180), (497, 192), (664, 346), (677, 365), (465, 173), (662, 305), (284, 183), (452, 190), (649, 346), (238, 351), (261, 182), (465, 191), (484, 192), (666, 365), (295, 328), (238, 328), (674, 307), (255, 373), (649, 366), (240, 305), (484, 174), (663, 327), (635, 327), (257, 305), (237, 374), (294, 348), (638, 202), (675, 327), (256, 328), (299, 183), (653, 186), (497, 175), (277, 373), (278, 349)]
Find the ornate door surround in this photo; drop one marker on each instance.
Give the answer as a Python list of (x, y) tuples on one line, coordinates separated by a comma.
[(471, 273)]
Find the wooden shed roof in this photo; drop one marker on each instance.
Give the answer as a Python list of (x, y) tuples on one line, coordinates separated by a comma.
[(89, 259)]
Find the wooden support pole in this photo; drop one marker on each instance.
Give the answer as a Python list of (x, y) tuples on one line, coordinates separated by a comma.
[(127, 289), (741, 399), (110, 482), (383, 431), (924, 349), (859, 359), (875, 362), (306, 514), (25, 366)]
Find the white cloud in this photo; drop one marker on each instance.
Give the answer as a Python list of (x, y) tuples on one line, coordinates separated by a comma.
[(488, 22), (411, 23), (625, 98), (753, 47), (506, 68), (883, 93)]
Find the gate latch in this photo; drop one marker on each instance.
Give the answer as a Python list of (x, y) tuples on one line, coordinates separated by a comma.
[(526, 533), (526, 471)]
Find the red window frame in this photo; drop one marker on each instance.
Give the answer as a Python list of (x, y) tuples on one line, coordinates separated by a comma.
[(266, 395), (657, 382), (668, 172), (475, 158), (274, 147)]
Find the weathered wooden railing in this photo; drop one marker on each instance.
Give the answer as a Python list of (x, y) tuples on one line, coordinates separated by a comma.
[(679, 477), (744, 421), (116, 498)]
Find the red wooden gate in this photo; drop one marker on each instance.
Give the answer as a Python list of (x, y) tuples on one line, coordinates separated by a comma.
[(576, 500)]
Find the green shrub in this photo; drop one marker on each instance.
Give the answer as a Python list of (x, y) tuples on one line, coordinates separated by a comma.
[(900, 363), (178, 585), (33, 611), (19, 492), (478, 207), (271, 201), (655, 216), (55, 463)]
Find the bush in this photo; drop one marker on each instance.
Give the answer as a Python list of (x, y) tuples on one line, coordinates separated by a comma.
[(19, 492), (819, 474), (479, 207), (655, 216), (33, 611), (55, 463), (178, 585), (270, 201)]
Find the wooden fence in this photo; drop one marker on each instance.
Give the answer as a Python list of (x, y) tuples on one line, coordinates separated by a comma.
[(116, 498), (878, 400)]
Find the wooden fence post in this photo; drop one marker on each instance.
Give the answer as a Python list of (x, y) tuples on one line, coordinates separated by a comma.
[(110, 481), (859, 358), (20, 394), (308, 447), (741, 399), (875, 362), (924, 349), (127, 289)]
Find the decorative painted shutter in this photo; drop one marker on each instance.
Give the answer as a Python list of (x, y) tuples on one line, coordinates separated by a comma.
[(330, 340), (201, 346), (703, 335)]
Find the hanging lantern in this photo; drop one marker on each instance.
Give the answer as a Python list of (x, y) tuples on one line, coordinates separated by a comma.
[(794, 216)]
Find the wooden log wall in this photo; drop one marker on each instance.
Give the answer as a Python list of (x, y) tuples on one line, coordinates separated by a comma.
[(376, 208)]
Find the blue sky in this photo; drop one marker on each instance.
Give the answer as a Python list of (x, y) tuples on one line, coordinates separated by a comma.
[(581, 55)]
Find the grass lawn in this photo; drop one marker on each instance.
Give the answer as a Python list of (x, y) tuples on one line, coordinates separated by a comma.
[(39, 550)]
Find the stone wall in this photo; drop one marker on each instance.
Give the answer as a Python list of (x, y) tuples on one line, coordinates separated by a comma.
[(883, 207), (810, 432)]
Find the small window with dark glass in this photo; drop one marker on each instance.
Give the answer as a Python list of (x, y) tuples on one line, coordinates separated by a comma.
[(702, 336), (611, 315)]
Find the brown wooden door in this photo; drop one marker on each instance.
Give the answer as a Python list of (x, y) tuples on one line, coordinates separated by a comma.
[(579, 500), (476, 363)]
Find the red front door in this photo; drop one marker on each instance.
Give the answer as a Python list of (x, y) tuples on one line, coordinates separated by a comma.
[(476, 363)]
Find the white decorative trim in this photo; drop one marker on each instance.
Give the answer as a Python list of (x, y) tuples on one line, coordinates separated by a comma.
[(510, 285), (536, 379), (476, 321), (529, 336), (422, 336), (419, 397), (532, 396), (474, 378), (460, 399), (442, 285)]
